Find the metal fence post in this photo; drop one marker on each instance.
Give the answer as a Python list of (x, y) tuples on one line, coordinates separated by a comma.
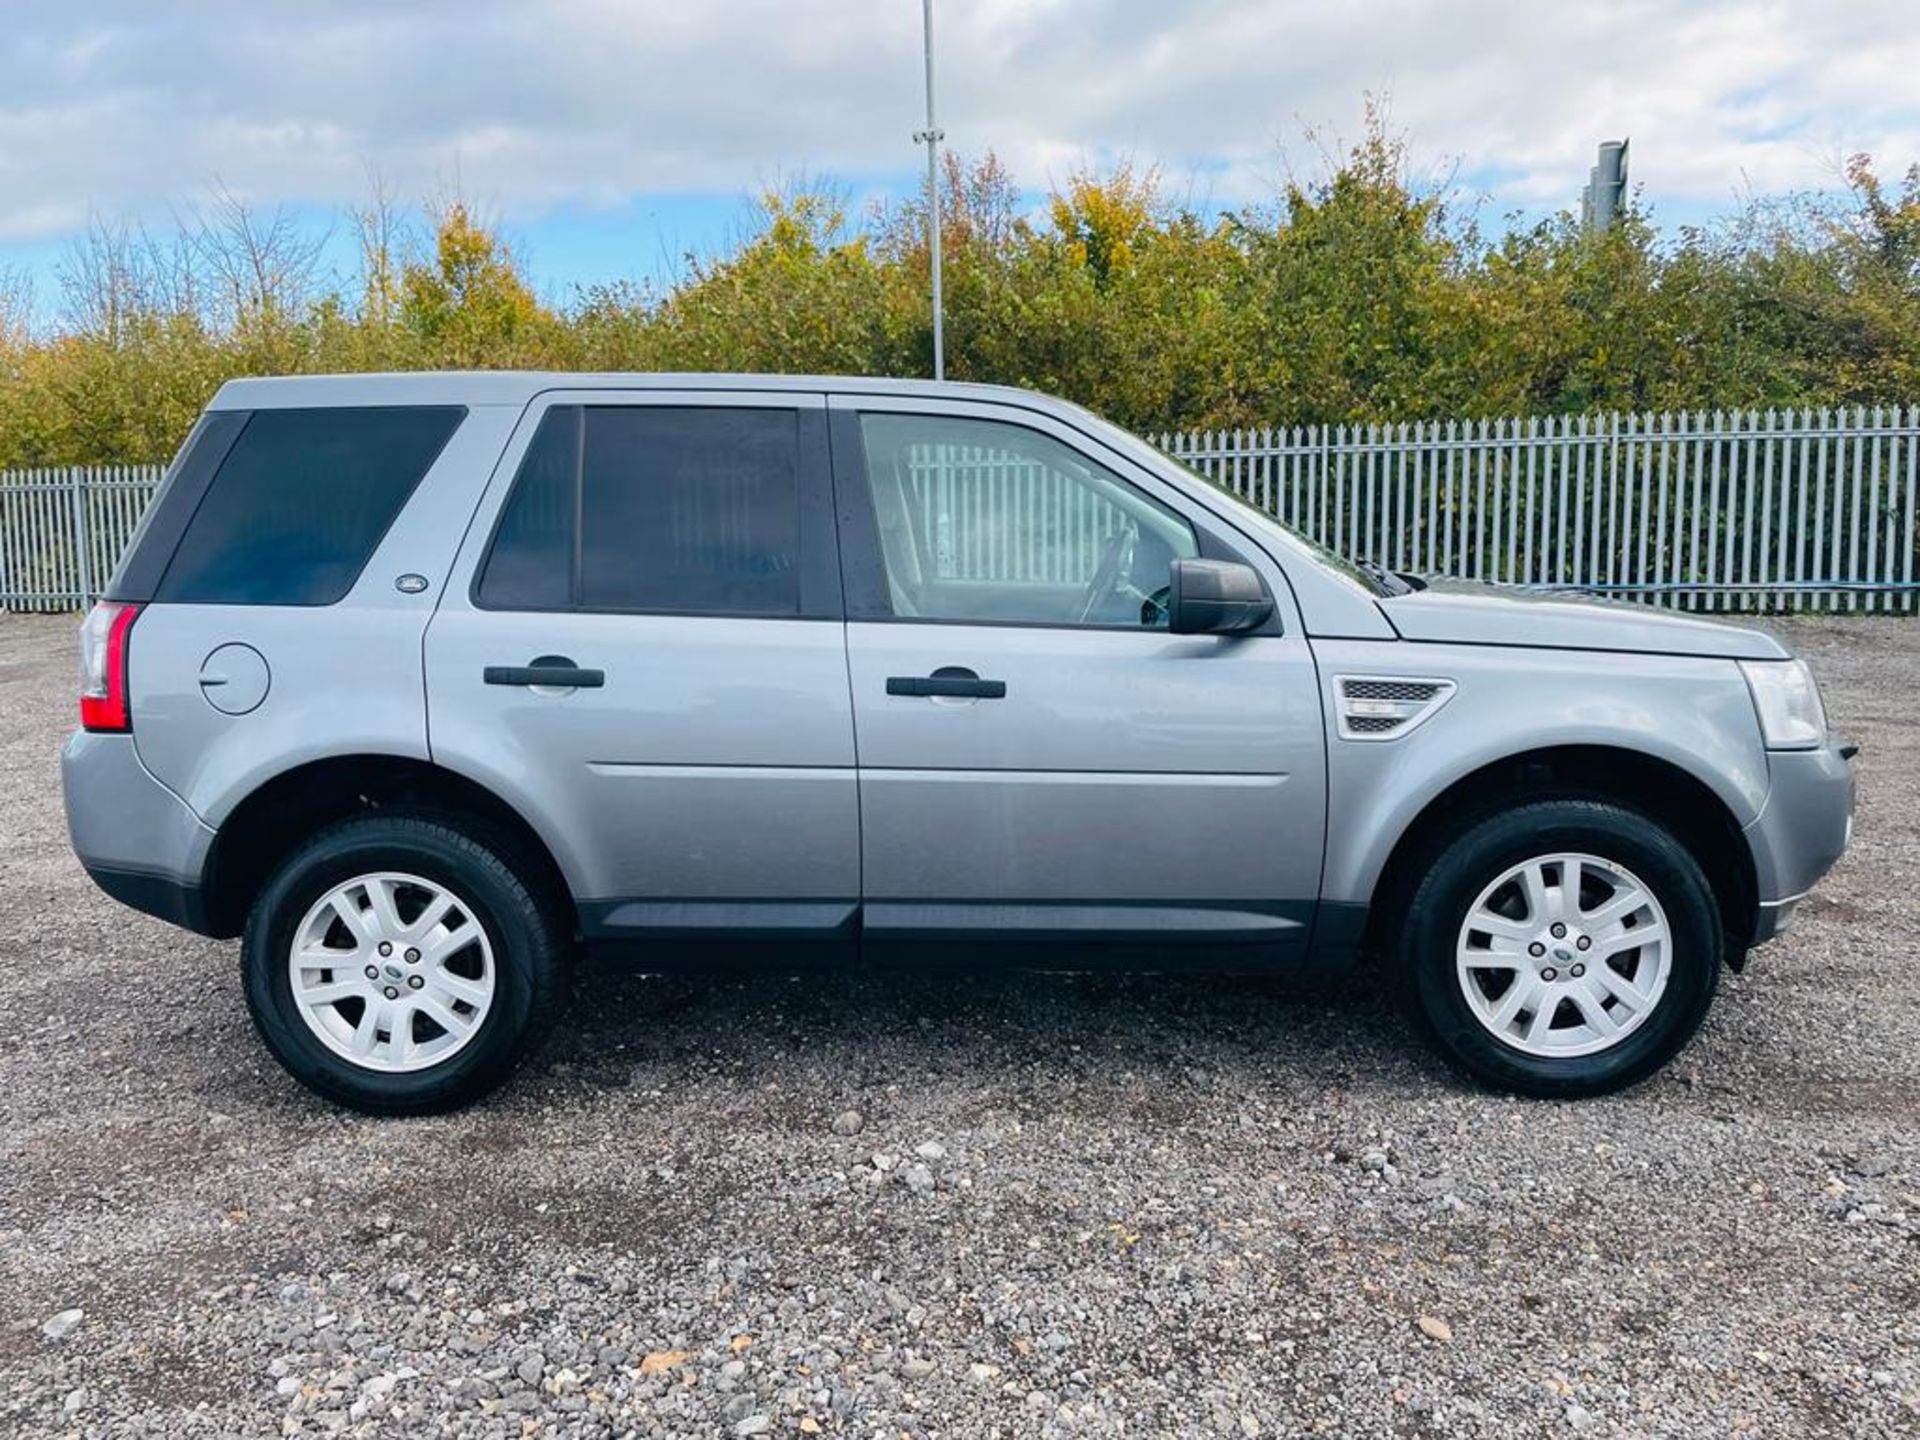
[(82, 550)]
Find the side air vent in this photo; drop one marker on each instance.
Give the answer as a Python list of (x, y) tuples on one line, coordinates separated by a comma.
[(1386, 707)]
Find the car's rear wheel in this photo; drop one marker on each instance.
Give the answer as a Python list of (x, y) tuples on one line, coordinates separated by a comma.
[(399, 964), (1561, 948)]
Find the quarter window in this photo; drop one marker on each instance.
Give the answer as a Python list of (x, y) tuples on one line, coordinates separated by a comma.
[(299, 503), (663, 509), (990, 522)]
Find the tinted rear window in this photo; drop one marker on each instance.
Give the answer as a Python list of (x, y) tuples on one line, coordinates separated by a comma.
[(531, 564), (653, 508), (300, 502)]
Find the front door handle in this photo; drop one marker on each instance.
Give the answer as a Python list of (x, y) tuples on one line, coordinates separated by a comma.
[(948, 680), (556, 671)]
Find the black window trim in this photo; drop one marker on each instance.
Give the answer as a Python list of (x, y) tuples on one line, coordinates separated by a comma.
[(148, 554), (819, 568), (869, 598)]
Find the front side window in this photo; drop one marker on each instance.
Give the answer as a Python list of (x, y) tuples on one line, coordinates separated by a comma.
[(995, 523), (661, 509)]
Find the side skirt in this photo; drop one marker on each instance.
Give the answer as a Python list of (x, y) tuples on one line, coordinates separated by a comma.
[(681, 935)]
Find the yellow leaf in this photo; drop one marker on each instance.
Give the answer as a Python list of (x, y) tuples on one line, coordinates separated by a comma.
[(740, 1342), (657, 1360), (809, 1425)]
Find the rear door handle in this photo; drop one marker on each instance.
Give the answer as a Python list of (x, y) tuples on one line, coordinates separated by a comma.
[(948, 680), (556, 671)]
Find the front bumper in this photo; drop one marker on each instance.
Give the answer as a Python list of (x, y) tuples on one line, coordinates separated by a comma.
[(139, 841), (1803, 828)]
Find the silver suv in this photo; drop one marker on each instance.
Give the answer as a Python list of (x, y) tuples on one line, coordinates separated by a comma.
[(423, 684)]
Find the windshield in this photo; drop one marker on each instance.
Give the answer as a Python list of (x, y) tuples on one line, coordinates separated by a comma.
[(1375, 579)]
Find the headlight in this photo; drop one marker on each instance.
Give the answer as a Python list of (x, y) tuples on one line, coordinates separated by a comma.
[(1788, 703)]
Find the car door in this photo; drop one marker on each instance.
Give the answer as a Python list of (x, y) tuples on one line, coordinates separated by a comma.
[(1040, 760), (643, 653)]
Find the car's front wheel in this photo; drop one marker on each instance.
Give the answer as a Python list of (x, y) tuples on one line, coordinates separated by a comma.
[(399, 965), (1561, 948)]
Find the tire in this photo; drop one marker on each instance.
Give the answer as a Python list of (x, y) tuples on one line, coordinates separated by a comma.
[(493, 966), (1610, 1021)]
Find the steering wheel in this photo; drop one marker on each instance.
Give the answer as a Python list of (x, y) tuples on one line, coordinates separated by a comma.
[(1105, 574)]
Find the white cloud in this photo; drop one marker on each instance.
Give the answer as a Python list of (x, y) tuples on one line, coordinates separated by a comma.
[(134, 107)]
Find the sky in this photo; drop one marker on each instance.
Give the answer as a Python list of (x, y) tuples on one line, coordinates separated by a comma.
[(609, 138)]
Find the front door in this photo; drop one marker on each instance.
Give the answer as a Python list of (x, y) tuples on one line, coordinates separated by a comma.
[(1039, 758), (643, 654)]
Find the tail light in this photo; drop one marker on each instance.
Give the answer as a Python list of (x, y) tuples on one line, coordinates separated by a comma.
[(103, 666)]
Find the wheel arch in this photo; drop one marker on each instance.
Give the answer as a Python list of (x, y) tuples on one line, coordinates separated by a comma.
[(282, 811), (1665, 792)]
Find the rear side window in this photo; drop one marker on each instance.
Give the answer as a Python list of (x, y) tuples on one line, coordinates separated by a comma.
[(302, 498), (653, 509), (531, 564)]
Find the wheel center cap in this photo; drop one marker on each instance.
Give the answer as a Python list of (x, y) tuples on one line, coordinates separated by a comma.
[(1561, 952), (394, 972)]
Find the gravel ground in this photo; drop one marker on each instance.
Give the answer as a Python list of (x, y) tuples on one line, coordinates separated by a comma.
[(927, 1207)]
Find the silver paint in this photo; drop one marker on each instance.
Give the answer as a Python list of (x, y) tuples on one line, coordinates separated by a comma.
[(761, 759)]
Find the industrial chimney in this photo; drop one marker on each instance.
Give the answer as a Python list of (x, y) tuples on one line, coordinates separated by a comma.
[(1605, 198)]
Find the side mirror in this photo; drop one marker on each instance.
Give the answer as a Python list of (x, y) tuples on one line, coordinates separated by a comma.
[(1216, 597)]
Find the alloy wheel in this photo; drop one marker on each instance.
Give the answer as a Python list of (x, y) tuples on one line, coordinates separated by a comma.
[(1564, 955), (392, 972)]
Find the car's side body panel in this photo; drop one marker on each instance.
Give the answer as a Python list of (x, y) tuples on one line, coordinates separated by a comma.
[(1691, 712), (1117, 766), (715, 763)]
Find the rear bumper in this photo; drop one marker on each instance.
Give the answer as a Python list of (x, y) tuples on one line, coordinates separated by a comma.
[(1803, 828), (139, 841), (164, 896)]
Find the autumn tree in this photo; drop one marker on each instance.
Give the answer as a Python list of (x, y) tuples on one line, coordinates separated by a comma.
[(467, 303)]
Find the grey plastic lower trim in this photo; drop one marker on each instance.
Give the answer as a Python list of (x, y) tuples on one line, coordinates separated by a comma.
[(721, 919), (1145, 923)]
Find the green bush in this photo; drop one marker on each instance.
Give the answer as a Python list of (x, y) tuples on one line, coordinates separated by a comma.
[(1357, 296)]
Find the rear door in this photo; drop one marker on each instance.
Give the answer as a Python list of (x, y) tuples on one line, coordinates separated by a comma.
[(1105, 782), (669, 558)]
